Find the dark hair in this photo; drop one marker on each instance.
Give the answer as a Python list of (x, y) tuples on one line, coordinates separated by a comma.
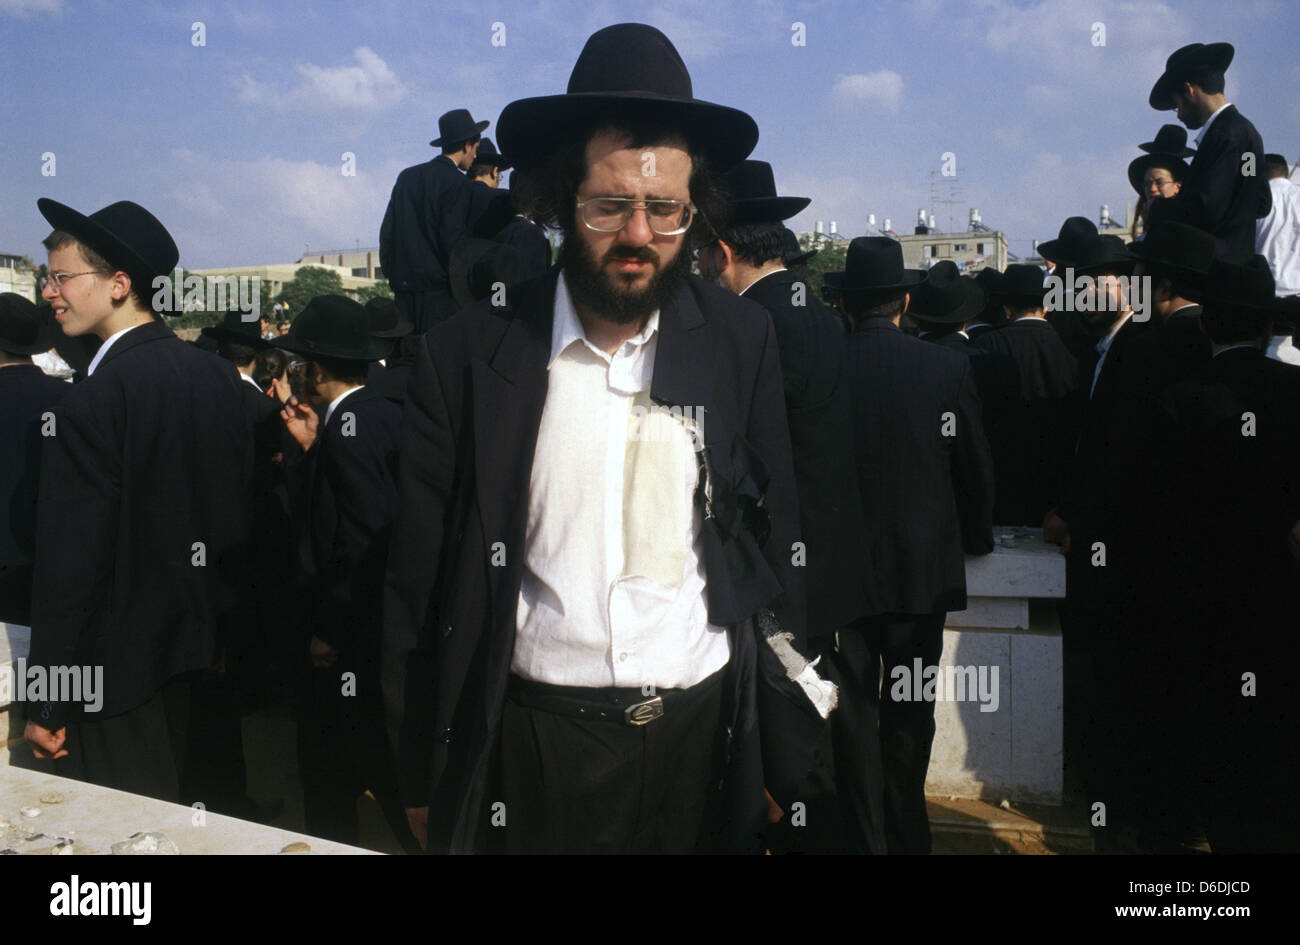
[(480, 170), (755, 243), (1210, 80), (1226, 324), (270, 364), (887, 309), (457, 145), (236, 352), (140, 282), (546, 194), (1276, 165), (1020, 308), (343, 369)]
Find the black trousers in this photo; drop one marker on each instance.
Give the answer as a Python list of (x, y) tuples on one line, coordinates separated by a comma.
[(573, 785), (141, 751), (425, 309), (882, 751)]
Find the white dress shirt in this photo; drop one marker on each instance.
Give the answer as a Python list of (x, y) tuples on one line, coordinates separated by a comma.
[(613, 585), (1277, 237), (1103, 348), (103, 349), (1200, 135), (246, 378)]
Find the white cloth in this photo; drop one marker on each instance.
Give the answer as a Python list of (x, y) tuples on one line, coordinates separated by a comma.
[(613, 585), (1103, 348), (103, 349), (1277, 236), (244, 377), (1282, 348), (329, 411), (1200, 135)]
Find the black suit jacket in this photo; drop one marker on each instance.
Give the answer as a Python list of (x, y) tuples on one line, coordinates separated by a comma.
[(1049, 376), (151, 456), (427, 213), (344, 508), (924, 469), (819, 406), (26, 393), (469, 432), (1226, 200)]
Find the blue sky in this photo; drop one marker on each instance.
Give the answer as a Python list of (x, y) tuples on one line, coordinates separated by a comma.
[(236, 145)]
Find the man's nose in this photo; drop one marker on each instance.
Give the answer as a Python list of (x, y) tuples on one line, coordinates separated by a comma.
[(49, 291), (637, 231)]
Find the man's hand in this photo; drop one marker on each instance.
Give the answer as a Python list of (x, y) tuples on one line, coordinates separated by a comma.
[(323, 656), (1055, 528), (301, 421), (46, 743), (418, 818), (774, 812)]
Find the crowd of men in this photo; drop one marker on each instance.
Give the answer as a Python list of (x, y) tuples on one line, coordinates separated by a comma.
[(612, 555)]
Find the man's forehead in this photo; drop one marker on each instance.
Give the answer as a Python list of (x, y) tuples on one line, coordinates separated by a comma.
[(611, 157)]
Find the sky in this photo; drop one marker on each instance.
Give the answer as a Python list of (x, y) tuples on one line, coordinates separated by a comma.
[(237, 143)]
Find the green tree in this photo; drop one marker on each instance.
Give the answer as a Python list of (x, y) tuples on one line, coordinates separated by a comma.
[(381, 291), (830, 259), (309, 282)]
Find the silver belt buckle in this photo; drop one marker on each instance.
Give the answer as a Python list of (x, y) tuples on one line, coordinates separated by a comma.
[(643, 713)]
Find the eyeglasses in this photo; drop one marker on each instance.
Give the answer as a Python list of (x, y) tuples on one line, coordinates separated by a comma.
[(58, 278), (1158, 184), (610, 214)]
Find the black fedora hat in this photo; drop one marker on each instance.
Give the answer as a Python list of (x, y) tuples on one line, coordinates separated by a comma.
[(456, 126), (1080, 247), (237, 327), (1173, 245), (945, 298), (24, 327), (1184, 64), (628, 69), (1021, 282), (752, 190), (488, 154), (385, 320), (832, 284), (1170, 139), (1247, 284), (793, 254), (873, 268), (1171, 162), (124, 233), (334, 326), (475, 265)]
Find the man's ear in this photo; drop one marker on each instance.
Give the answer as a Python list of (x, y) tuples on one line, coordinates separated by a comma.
[(728, 255), (120, 285), (907, 300)]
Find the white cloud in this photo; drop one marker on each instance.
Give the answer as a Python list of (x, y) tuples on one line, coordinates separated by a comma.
[(369, 84), (29, 9), (884, 88), (1039, 94)]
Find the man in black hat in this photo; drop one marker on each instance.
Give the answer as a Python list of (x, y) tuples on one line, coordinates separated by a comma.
[(991, 317), (943, 306), (926, 478), (142, 509), (1159, 172), (28, 394), (391, 374), (1225, 445), (1226, 181), (586, 599), (429, 210), (1049, 374), (345, 500), (747, 258)]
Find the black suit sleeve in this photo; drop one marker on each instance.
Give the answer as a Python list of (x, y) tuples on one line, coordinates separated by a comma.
[(386, 241), (426, 474), (452, 214), (972, 469)]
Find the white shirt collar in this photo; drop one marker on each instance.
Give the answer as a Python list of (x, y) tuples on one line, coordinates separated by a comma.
[(760, 279), (1031, 318), (1104, 345), (1232, 347), (103, 349), (329, 411), (1209, 121), (245, 377), (567, 328)]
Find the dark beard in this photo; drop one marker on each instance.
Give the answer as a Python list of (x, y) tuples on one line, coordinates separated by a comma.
[(591, 287)]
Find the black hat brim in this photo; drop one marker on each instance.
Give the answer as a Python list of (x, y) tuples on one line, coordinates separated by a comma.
[(1137, 168), (400, 330), (911, 279), (532, 129), (479, 128), (801, 258), (1217, 56), (376, 348), (970, 308), (767, 209), (107, 244), (222, 333)]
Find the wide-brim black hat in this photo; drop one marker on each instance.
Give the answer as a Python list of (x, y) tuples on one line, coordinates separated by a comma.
[(334, 326), (1242, 285), (628, 70), (1080, 247), (752, 190), (1184, 63), (456, 126), (873, 269), (235, 327), (1177, 246), (945, 298), (475, 265), (126, 234), (792, 254), (1137, 168), (1021, 282), (1170, 139), (385, 320), (26, 328), (488, 154)]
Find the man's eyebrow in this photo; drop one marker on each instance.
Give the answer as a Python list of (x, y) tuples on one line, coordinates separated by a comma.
[(628, 196)]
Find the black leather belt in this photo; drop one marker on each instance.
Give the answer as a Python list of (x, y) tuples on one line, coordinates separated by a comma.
[(625, 706)]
